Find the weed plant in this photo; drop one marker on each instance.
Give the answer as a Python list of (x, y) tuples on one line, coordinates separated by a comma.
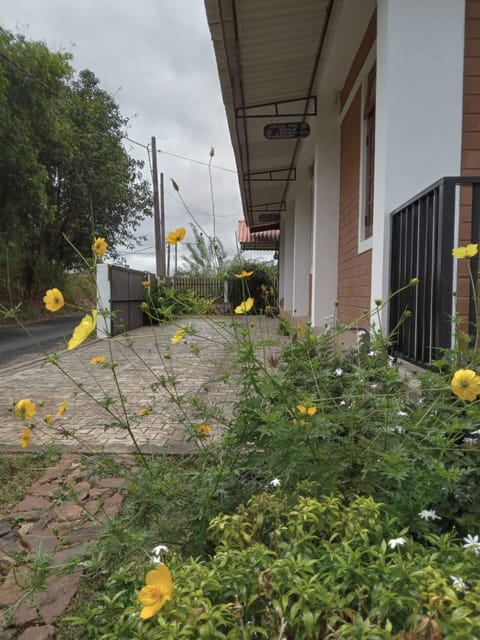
[(337, 498)]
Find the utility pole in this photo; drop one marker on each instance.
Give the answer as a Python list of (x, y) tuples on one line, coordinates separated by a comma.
[(163, 271), (159, 239)]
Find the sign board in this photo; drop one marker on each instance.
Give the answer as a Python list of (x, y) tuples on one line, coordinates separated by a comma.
[(286, 130)]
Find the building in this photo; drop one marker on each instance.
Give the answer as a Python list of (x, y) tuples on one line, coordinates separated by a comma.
[(356, 131)]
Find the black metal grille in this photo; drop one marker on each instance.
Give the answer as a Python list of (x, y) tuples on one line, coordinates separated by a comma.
[(422, 238)]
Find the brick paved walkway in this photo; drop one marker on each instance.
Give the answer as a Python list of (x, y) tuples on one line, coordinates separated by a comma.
[(197, 365)]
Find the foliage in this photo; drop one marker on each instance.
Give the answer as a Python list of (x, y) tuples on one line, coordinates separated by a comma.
[(207, 257), (298, 567), (260, 285), (163, 303), (63, 168)]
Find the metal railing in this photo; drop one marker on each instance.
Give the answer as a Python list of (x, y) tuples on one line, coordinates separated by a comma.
[(422, 238)]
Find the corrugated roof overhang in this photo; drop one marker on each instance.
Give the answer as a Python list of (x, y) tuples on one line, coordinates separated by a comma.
[(267, 55), (258, 241)]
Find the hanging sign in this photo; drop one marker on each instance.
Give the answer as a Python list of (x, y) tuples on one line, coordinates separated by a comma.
[(286, 130)]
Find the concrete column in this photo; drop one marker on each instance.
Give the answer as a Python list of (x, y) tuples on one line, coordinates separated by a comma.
[(288, 249), (302, 249), (326, 200), (104, 323)]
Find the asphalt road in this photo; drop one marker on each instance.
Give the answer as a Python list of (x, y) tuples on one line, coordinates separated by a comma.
[(16, 341)]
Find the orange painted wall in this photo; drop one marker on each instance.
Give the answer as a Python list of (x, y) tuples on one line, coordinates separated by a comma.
[(354, 269)]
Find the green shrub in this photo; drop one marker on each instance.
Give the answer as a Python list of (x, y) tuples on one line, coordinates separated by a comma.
[(292, 566)]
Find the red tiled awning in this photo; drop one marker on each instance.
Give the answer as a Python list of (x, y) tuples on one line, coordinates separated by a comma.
[(258, 240)]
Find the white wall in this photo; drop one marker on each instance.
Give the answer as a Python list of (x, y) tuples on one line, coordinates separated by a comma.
[(420, 46), (302, 245), (326, 205), (288, 231)]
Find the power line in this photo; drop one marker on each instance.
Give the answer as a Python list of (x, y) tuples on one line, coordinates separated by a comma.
[(206, 164)]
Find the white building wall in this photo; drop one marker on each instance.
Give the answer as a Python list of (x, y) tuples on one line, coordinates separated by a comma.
[(326, 203), (302, 246), (288, 251), (420, 45)]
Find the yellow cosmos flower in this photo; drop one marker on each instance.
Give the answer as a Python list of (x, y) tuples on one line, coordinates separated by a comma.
[(176, 236), (245, 306), (466, 384), (24, 438), (48, 419), (157, 591), (99, 247), (25, 409), (244, 274), (62, 408), (97, 360), (203, 429), (145, 283), (179, 335), (144, 412), (83, 330), (465, 252), (306, 411), (53, 299)]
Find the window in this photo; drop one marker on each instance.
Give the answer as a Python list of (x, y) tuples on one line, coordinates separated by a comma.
[(369, 166)]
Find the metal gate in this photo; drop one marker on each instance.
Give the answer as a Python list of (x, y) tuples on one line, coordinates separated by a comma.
[(121, 291)]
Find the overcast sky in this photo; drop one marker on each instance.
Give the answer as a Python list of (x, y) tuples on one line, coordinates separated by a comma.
[(156, 57)]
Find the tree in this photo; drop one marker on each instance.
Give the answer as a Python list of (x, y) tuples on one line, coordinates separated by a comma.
[(207, 257), (64, 173)]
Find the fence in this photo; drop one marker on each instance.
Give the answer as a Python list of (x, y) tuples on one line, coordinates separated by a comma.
[(423, 233), (120, 290)]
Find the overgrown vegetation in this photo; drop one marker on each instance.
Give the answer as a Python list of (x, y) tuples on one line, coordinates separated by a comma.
[(340, 501)]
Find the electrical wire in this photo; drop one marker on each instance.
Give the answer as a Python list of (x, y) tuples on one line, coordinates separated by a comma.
[(206, 164)]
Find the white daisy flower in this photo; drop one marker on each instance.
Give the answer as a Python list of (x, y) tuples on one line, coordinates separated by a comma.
[(472, 542), (157, 552), (458, 583), (276, 482), (338, 372), (396, 542), (429, 514)]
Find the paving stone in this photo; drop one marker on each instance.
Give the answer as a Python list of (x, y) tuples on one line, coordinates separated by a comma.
[(43, 488), (41, 632), (111, 483), (32, 503), (8, 634), (63, 556), (69, 511)]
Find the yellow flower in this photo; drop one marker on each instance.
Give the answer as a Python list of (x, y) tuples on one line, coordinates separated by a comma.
[(99, 247), (466, 384), (24, 438), (144, 412), (203, 429), (53, 299), (62, 408), (158, 590), (146, 283), (48, 419), (83, 330), (465, 252), (245, 306), (176, 236), (97, 360), (244, 274), (306, 411), (179, 335), (25, 409)]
